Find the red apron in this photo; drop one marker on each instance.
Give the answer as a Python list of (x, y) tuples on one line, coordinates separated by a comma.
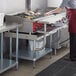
[(71, 14)]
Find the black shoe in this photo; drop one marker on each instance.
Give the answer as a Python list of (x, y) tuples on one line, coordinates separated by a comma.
[(73, 59), (67, 59)]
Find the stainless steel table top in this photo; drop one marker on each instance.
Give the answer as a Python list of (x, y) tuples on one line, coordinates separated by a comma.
[(51, 18), (5, 27)]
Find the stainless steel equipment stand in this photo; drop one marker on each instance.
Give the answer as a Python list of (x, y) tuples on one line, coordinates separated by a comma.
[(6, 64), (35, 53), (32, 55), (54, 19)]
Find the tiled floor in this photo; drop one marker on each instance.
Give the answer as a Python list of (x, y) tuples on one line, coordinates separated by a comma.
[(26, 68)]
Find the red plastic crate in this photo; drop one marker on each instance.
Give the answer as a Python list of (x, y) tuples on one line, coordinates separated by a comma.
[(36, 26)]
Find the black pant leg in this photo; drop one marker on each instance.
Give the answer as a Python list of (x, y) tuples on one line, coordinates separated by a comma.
[(73, 45)]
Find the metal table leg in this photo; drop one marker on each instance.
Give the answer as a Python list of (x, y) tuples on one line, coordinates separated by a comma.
[(1, 50), (45, 34), (50, 45), (17, 47), (10, 50), (55, 51), (34, 56)]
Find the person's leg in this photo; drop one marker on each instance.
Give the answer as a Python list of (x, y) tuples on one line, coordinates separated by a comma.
[(73, 46)]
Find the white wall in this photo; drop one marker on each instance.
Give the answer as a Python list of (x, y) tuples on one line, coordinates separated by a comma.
[(16, 6), (12, 6), (54, 3), (2, 5)]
